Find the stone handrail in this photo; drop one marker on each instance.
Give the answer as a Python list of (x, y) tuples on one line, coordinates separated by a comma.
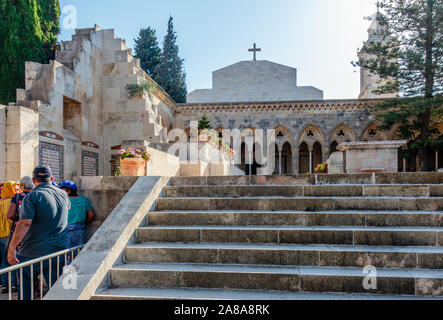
[(106, 247)]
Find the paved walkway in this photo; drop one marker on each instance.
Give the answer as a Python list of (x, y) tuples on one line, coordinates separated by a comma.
[(5, 297)]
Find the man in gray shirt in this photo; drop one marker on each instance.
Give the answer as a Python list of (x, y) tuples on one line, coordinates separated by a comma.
[(41, 229)]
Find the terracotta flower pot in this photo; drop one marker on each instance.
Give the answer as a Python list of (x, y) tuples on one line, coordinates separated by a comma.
[(133, 167)]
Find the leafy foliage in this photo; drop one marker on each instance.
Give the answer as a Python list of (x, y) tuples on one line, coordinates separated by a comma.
[(408, 54), (28, 31), (49, 13), (171, 75), (137, 90), (416, 119), (203, 124), (148, 51)]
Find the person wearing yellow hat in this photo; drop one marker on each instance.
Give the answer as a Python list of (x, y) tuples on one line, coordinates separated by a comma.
[(10, 188)]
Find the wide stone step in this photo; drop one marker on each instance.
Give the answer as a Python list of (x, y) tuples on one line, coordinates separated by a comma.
[(234, 191), (139, 293), (388, 236), (315, 179), (298, 218), (295, 255), (292, 279), (302, 203)]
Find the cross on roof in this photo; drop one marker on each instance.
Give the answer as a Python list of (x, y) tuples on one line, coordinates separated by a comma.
[(255, 50)]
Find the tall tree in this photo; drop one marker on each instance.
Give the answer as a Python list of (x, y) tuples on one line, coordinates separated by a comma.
[(25, 37), (171, 75), (49, 14), (410, 55), (148, 51)]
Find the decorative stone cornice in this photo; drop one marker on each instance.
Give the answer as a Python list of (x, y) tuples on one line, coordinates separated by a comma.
[(324, 106)]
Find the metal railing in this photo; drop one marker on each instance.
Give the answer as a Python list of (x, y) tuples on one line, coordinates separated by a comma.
[(69, 255)]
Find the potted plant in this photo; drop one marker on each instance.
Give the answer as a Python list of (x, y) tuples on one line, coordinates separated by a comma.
[(133, 162)]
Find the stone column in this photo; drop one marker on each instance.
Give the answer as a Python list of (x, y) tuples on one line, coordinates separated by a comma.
[(22, 142), (279, 162), (295, 160), (310, 161)]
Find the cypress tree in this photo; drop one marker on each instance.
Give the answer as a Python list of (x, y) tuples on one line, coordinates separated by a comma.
[(171, 75), (148, 51), (24, 39), (49, 14)]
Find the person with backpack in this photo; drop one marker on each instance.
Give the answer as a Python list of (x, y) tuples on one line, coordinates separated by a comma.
[(41, 230), (81, 212)]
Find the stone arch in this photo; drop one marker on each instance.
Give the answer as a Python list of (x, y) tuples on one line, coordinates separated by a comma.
[(282, 136), (311, 134), (284, 151), (285, 159), (372, 133), (342, 133)]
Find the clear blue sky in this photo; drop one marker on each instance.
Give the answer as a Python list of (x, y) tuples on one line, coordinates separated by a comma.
[(318, 37)]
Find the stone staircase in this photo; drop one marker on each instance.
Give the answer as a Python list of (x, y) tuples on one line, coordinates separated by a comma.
[(288, 237)]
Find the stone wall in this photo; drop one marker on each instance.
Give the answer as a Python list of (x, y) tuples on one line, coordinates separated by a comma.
[(322, 122), (251, 81), (83, 104), (162, 164), (105, 194), (18, 142)]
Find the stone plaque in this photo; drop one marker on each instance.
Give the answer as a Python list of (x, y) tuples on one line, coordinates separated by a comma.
[(51, 155), (89, 163)]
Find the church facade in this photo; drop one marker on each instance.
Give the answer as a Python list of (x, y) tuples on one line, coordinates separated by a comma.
[(264, 95), (75, 112)]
